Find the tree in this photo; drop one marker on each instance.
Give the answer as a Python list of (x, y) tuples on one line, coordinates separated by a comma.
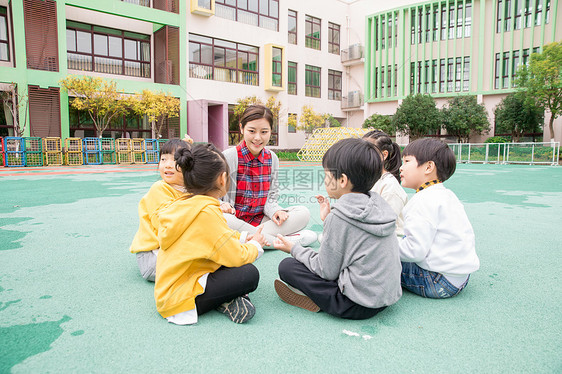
[(542, 81), (417, 116), (14, 101), (516, 115), (310, 120), (100, 98), (157, 107), (380, 122), (331, 121), (464, 117)]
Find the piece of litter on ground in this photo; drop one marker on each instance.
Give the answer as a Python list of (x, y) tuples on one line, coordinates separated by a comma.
[(350, 333), (367, 337)]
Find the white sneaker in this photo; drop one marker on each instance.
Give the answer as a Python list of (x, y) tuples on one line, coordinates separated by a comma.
[(303, 237), (320, 237)]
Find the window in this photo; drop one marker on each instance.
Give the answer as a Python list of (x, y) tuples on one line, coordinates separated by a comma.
[(547, 12), (443, 21), (388, 81), (433, 76), (221, 60), (292, 27), (505, 70), (427, 23), (435, 22), (413, 26), (507, 15), (383, 32), (292, 123), (412, 77), (420, 20), (459, 20), (312, 32), (497, 72), (376, 28), (466, 74), (458, 74), (312, 81), (376, 82), (277, 67), (333, 38), (426, 77), (105, 50), (442, 75), (468, 19), (525, 60), (262, 13), (334, 85), (538, 12), (499, 16), (517, 17), (4, 44), (528, 12), (292, 78), (389, 31), (452, 21), (450, 75), (514, 67), (419, 77)]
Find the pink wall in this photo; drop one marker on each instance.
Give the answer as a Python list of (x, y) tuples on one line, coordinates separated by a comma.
[(207, 121)]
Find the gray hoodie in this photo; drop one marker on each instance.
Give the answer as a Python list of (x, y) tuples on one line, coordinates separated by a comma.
[(359, 249)]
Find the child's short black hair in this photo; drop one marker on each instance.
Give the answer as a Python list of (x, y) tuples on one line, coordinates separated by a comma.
[(358, 159), (435, 150), (172, 145)]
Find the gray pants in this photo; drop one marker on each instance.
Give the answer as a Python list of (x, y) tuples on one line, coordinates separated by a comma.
[(297, 220), (147, 264)]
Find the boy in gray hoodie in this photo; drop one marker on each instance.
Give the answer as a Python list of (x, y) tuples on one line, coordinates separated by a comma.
[(356, 272)]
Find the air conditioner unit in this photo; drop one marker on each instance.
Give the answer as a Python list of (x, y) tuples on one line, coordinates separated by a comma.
[(355, 51)]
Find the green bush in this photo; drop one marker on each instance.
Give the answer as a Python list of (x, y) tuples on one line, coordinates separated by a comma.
[(287, 156), (498, 139)]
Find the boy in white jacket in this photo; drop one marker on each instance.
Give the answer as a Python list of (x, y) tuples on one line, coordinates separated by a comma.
[(437, 250)]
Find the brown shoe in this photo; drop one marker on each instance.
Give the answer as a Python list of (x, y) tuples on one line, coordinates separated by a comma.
[(294, 297)]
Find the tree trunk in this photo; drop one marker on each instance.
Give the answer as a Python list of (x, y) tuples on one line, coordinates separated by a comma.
[(551, 127)]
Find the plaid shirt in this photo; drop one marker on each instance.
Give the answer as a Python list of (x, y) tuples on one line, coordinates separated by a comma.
[(252, 184)]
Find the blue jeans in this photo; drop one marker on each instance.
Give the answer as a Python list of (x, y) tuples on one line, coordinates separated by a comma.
[(427, 283)]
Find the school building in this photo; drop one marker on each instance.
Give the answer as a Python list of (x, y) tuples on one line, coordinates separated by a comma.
[(346, 58)]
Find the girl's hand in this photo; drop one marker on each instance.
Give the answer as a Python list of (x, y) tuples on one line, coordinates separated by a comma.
[(283, 244), (258, 237), (324, 206), (188, 139), (279, 217), (227, 208)]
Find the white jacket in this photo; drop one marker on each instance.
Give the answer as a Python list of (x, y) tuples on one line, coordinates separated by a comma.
[(437, 233)]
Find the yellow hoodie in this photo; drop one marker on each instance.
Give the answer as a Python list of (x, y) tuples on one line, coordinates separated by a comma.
[(160, 195), (194, 240)]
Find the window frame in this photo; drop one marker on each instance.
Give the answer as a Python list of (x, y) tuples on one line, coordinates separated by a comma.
[(292, 86), (144, 65), (6, 42), (309, 39), (293, 33), (311, 89), (240, 78), (334, 46), (334, 93), (258, 12)]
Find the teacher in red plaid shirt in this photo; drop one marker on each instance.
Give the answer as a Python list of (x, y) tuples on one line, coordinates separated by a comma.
[(251, 201)]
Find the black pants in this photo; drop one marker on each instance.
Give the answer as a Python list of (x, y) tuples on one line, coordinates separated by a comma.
[(226, 284), (325, 293)]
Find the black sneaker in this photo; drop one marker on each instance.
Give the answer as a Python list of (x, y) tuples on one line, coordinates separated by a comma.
[(239, 310), (294, 297)]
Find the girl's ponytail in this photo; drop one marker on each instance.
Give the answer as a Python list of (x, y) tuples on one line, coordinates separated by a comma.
[(383, 142)]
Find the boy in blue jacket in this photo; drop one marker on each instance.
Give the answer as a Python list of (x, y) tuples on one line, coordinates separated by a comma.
[(356, 272)]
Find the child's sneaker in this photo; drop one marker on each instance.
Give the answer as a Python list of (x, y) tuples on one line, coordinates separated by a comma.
[(294, 297), (320, 237), (239, 310), (303, 237)]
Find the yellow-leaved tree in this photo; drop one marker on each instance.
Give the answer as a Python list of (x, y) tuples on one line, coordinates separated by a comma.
[(99, 97), (310, 120), (157, 107)]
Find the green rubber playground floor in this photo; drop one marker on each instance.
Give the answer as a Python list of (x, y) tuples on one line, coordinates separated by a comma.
[(72, 299)]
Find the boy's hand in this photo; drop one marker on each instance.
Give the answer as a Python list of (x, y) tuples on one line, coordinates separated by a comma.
[(324, 206), (258, 237), (279, 217), (227, 208), (283, 244)]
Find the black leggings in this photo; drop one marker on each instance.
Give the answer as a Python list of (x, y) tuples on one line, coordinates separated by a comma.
[(325, 293), (226, 284)]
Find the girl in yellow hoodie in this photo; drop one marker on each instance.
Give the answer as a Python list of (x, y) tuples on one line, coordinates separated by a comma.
[(203, 264), (161, 194)]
